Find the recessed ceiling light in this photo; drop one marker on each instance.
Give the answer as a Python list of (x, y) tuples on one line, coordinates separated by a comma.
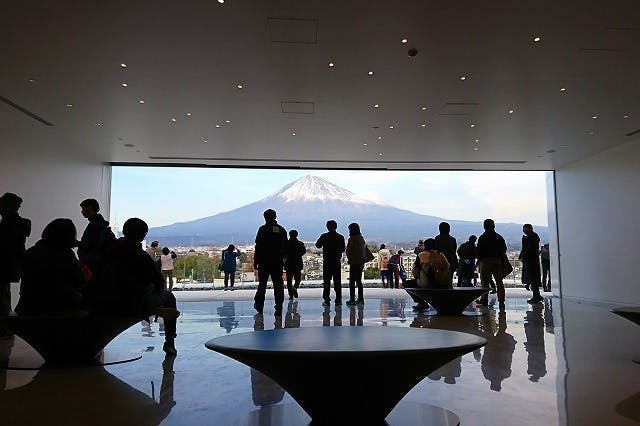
[(217, 125), (472, 125), (403, 41), (125, 85), (510, 111), (220, 1), (424, 108), (537, 39), (463, 77), (391, 127), (475, 149), (331, 64), (227, 121), (69, 105), (173, 120), (626, 116), (477, 140), (98, 124), (188, 114), (591, 132), (376, 106), (379, 138), (563, 89), (293, 134), (123, 65), (423, 125), (205, 141), (239, 86), (32, 80), (365, 144), (370, 73), (141, 101), (594, 117), (380, 154)]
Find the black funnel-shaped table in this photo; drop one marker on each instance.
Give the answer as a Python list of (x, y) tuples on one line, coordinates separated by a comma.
[(69, 339), (632, 313), (324, 368), (448, 301)]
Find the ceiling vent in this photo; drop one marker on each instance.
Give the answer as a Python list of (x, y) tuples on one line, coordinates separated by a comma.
[(459, 108), (25, 111), (293, 30), (297, 107), (599, 50)]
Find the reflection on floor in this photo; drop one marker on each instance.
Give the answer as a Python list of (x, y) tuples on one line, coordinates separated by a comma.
[(553, 363)]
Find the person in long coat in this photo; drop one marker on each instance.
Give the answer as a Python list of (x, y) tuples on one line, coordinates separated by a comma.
[(530, 258)]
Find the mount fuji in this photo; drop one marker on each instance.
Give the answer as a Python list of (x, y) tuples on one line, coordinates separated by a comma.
[(307, 203)]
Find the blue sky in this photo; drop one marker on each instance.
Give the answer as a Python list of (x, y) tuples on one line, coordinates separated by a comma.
[(165, 195)]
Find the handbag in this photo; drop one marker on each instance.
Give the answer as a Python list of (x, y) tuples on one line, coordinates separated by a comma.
[(368, 255), (221, 264), (507, 268)]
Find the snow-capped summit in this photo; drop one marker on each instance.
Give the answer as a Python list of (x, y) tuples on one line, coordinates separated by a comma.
[(314, 188)]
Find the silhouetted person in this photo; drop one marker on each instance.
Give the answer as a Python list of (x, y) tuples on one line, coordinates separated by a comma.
[(419, 248), (14, 231), (357, 257), (530, 258), (534, 330), (230, 257), (447, 245), (227, 314), (332, 245), (133, 285), (498, 354), (545, 261), (383, 264), (293, 263), (271, 247), (97, 239), (52, 280), (491, 249), (468, 253)]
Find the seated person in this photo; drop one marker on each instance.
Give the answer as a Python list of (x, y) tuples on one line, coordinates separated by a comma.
[(431, 268), (133, 285), (52, 279)]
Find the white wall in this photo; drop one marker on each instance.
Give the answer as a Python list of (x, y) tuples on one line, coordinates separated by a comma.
[(51, 175), (598, 211)]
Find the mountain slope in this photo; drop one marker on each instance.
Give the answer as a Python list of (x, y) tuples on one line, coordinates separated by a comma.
[(306, 204)]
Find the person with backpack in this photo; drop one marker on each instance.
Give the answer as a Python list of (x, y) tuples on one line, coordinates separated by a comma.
[(431, 268), (394, 265), (293, 263), (383, 259), (96, 241), (491, 252)]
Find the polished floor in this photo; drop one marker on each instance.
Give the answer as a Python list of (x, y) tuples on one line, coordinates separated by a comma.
[(561, 362)]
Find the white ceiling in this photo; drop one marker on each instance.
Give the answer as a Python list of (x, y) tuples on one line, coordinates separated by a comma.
[(188, 56)]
